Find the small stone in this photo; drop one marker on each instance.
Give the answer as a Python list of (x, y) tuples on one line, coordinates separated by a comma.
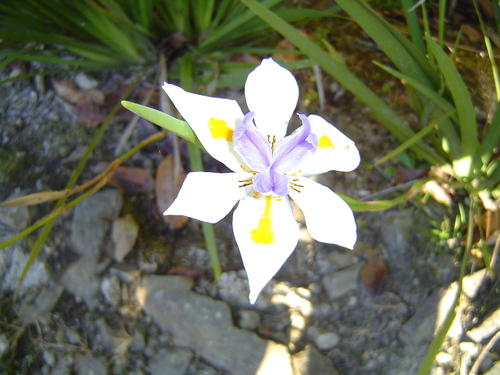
[(110, 289), (324, 340), (311, 362), (443, 358), (495, 370), (171, 361), (248, 319), (16, 218), (89, 365), (339, 283), (85, 82)]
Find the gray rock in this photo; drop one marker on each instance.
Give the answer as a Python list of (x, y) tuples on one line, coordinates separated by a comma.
[(234, 290), (171, 361), (92, 220), (419, 329), (486, 329), (205, 326), (45, 298), (248, 319), (12, 262), (311, 362), (16, 218), (397, 230), (113, 337), (495, 370), (89, 365), (324, 340), (111, 290), (91, 223), (339, 283)]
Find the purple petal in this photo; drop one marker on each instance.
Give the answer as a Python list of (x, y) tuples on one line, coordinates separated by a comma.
[(291, 150), (251, 145), (269, 181)]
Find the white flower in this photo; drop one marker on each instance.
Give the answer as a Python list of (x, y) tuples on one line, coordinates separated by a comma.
[(268, 167)]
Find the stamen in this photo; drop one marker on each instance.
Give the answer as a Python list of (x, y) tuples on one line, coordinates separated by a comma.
[(246, 182), (272, 142), (295, 186)]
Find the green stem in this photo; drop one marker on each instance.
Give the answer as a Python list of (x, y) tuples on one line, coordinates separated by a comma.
[(440, 336), (196, 163)]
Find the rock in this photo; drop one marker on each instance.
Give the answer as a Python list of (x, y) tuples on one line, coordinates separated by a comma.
[(113, 337), (333, 260), (339, 283), (487, 328), (324, 340), (42, 303), (89, 365), (111, 290), (12, 261), (419, 329), (16, 218), (495, 370), (91, 223), (396, 230), (92, 220), (248, 319), (472, 283), (234, 290), (311, 362), (124, 234), (171, 361), (205, 326)]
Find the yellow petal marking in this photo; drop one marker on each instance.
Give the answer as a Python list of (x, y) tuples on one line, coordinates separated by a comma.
[(263, 234), (324, 141), (219, 129)]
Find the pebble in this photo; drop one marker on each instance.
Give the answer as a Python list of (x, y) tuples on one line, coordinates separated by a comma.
[(324, 340), (90, 365), (16, 218), (339, 283), (311, 362), (110, 289), (248, 319), (171, 361), (486, 329)]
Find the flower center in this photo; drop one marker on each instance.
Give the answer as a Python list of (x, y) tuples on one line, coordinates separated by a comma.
[(272, 161)]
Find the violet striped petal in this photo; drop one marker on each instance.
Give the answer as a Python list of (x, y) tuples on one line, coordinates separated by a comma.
[(293, 149), (251, 145)]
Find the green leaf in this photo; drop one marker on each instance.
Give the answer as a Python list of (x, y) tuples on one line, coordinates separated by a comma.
[(379, 109), (179, 127), (372, 205), (463, 104)]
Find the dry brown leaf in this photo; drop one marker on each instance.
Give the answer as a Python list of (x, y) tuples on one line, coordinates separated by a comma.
[(472, 34), (372, 276), (67, 90), (124, 234), (437, 192), (169, 179), (129, 179), (89, 112)]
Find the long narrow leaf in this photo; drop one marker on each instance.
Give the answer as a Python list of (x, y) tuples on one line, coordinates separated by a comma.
[(463, 104), (179, 127), (407, 58), (379, 109)]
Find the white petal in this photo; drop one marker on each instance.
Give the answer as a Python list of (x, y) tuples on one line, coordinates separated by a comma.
[(335, 151), (272, 93), (266, 233), (328, 218), (213, 120), (208, 196)]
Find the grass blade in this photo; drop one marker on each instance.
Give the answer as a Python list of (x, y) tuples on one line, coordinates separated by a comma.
[(379, 109)]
